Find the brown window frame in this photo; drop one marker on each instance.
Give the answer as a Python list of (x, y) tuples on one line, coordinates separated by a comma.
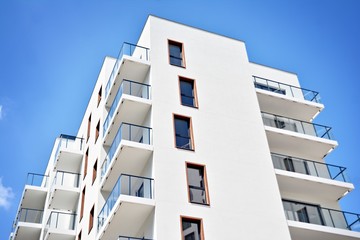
[(94, 171), (181, 45), (86, 161), (196, 165), (185, 79), (89, 128), (91, 218), (192, 219), (99, 96), (97, 131), (83, 192), (178, 116)]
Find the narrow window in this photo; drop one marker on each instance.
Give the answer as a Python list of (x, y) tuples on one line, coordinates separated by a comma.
[(82, 203), (86, 162), (99, 96), (91, 218), (191, 229), (94, 172), (97, 131), (176, 54), (79, 236), (197, 184), (187, 92), (89, 128), (183, 132)]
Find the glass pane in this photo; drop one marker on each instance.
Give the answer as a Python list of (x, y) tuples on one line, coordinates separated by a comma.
[(191, 229), (182, 127)]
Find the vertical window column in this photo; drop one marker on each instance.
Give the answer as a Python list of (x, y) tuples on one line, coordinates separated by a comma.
[(188, 92), (176, 54), (183, 132), (197, 184)]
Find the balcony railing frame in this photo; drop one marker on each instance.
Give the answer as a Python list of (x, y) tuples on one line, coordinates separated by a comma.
[(19, 216), (277, 119), (116, 67), (67, 138), (315, 97), (340, 174), (31, 179), (57, 213)]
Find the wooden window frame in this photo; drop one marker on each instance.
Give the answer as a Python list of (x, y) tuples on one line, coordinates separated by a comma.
[(99, 96), (205, 182), (86, 161), (191, 131), (94, 171), (182, 217), (91, 218), (97, 131), (88, 128), (176, 43), (185, 79), (83, 192)]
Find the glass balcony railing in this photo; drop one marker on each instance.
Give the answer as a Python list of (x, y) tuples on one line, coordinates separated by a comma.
[(130, 88), (126, 185), (38, 180), (60, 220), (66, 179), (293, 125), (315, 214), (68, 142), (130, 50), (308, 167), (29, 216), (285, 89), (128, 132), (132, 238)]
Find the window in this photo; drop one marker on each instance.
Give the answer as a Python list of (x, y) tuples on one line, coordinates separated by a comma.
[(89, 128), (183, 132), (94, 172), (99, 96), (97, 131), (82, 203), (176, 54), (191, 229), (86, 162), (187, 92), (197, 184), (91, 218)]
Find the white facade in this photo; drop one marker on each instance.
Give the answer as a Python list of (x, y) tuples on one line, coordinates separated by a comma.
[(250, 131)]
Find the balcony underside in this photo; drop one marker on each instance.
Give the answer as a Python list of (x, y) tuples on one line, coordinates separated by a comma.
[(68, 160), (310, 185), (64, 198), (287, 106), (130, 110), (301, 231), (131, 68), (130, 158), (27, 231), (33, 197), (298, 144), (127, 217), (60, 234)]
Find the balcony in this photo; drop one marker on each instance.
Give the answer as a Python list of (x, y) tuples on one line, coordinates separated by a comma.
[(35, 191), (64, 193), (284, 99), (68, 154), (129, 152), (297, 138), (131, 104), (60, 225), (133, 62), (132, 238), (315, 222), (294, 174), (28, 224), (127, 207)]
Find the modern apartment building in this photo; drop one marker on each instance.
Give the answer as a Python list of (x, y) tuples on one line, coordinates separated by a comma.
[(185, 138)]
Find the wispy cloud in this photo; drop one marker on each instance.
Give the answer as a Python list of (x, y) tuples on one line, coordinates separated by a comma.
[(1, 113), (6, 194)]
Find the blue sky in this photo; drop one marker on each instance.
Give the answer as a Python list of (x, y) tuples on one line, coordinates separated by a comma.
[(51, 53)]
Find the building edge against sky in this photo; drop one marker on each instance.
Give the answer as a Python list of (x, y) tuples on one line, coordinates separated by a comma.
[(185, 138)]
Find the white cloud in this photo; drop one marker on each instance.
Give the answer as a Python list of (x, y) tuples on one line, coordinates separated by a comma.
[(6, 194)]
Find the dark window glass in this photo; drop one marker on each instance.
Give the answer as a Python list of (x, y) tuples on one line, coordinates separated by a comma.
[(182, 133), (196, 181), (191, 229), (187, 92), (176, 54)]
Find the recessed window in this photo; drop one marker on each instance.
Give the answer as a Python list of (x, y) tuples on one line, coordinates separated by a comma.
[(192, 229), (79, 236), (99, 96), (89, 128), (91, 218), (187, 92), (97, 131), (86, 160), (197, 184), (82, 203), (176, 54), (183, 132), (94, 171)]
